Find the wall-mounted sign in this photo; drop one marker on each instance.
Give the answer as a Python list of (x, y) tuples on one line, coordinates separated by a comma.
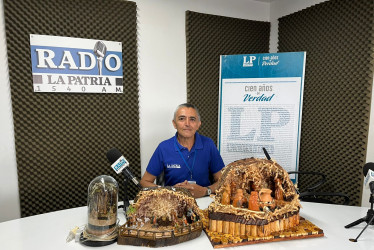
[(76, 65), (260, 106)]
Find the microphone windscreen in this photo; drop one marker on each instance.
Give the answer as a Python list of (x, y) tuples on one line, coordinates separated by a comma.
[(367, 166), (113, 155)]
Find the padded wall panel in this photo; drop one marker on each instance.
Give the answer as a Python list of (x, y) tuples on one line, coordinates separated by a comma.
[(62, 139), (338, 38), (208, 37)]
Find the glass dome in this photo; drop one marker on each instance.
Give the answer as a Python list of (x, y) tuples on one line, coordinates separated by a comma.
[(102, 203)]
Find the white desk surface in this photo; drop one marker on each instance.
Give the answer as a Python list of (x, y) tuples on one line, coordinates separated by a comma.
[(49, 231)]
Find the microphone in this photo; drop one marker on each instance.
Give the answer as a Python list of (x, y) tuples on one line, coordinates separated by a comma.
[(119, 164), (100, 51), (368, 171)]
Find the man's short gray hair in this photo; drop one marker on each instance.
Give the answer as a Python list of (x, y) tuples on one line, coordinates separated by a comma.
[(187, 105)]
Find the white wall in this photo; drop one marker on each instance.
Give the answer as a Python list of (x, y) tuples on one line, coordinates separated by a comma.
[(162, 75)]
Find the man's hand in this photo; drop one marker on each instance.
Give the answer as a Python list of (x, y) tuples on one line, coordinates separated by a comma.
[(197, 191)]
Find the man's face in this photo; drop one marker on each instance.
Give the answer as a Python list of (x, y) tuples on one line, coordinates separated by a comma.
[(186, 122)]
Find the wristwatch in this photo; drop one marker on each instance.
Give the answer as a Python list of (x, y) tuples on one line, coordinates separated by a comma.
[(208, 191)]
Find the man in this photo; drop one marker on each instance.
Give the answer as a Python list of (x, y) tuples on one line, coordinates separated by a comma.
[(188, 158)]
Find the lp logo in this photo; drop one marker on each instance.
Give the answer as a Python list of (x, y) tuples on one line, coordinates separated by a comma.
[(266, 124), (248, 62)]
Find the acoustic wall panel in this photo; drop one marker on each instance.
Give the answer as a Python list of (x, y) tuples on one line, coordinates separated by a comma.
[(208, 37), (62, 138), (338, 38)]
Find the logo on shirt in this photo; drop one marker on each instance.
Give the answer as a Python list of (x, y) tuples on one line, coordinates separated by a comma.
[(173, 166)]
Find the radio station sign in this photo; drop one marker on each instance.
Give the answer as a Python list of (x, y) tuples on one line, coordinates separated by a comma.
[(76, 65)]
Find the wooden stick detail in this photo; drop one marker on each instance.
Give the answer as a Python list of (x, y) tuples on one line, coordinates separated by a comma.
[(237, 229), (254, 230), (267, 229), (213, 226), (242, 229), (248, 230), (226, 227), (219, 226), (260, 231), (232, 228)]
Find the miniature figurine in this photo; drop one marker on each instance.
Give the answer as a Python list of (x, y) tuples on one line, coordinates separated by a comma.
[(253, 201), (226, 196), (278, 190), (239, 198)]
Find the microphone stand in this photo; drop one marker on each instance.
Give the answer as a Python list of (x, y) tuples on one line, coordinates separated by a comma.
[(126, 201), (369, 218)]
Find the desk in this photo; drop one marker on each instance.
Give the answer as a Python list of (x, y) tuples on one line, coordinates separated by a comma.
[(49, 231)]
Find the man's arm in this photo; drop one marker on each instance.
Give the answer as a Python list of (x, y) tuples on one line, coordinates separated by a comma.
[(216, 177), (148, 180)]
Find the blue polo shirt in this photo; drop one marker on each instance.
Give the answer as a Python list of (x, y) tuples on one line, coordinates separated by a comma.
[(203, 159)]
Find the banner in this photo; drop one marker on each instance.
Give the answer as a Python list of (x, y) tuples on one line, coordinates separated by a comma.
[(66, 64), (260, 106)]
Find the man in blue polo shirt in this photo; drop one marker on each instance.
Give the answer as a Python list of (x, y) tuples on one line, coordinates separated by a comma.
[(187, 158)]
